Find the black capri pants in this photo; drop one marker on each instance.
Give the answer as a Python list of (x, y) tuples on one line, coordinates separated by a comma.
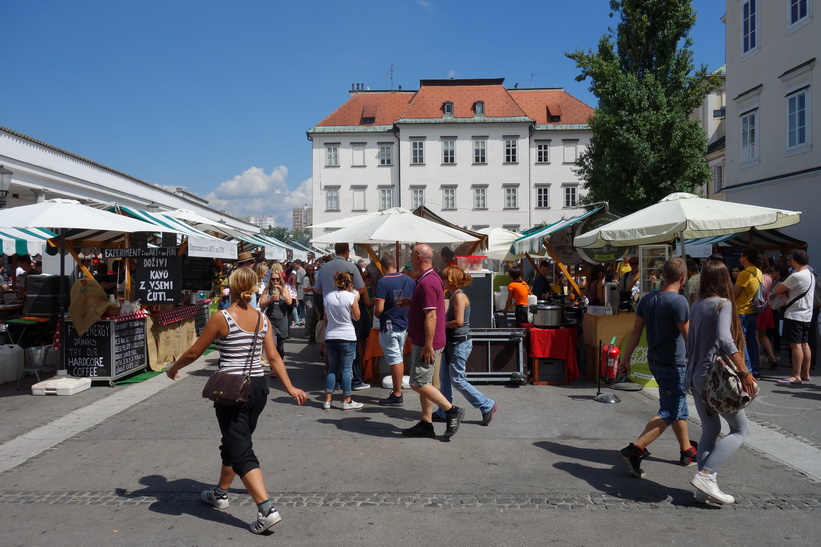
[(237, 424)]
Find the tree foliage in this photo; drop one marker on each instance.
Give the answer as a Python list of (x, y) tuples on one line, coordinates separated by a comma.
[(644, 146), (284, 235)]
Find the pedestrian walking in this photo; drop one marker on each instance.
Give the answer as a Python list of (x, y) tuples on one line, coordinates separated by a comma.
[(276, 302), (664, 313), (235, 330), (341, 310), (715, 326), (393, 323), (426, 327), (458, 346)]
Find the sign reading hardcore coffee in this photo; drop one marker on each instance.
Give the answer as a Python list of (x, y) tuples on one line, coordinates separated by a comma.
[(107, 350)]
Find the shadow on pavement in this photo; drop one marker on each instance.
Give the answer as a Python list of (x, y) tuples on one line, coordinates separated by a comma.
[(614, 481), (182, 497)]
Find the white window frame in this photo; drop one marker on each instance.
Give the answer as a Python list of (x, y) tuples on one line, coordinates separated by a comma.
[(480, 151), (449, 152), (417, 197), (799, 21), (542, 151), (511, 150), (750, 39), (480, 197), (511, 197), (332, 155), (543, 194), (570, 150), (798, 128), (385, 197), (448, 198), (479, 109), (750, 136), (447, 109), (359, 196), (332, 199), (571, 196), (417, 152), (358, 154), (385, 154)]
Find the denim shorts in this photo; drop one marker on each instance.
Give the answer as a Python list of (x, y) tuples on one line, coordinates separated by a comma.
[(672, 398), (393, 342), (421, 374)]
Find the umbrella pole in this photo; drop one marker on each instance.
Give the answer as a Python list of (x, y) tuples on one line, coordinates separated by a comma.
[(61, 369)]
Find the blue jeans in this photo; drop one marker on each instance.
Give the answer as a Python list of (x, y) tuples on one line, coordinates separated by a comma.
[(748, 325), (340, 362), (452, 375)]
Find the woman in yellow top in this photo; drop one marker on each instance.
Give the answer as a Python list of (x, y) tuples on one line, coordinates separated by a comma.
[(517, 293)]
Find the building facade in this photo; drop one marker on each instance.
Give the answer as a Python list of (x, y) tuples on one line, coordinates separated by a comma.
[(302, 218), (711, 115), (262, 222), (774, 107), (476, 153)]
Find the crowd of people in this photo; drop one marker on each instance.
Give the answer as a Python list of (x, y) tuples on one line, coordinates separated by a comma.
[(696, 315)]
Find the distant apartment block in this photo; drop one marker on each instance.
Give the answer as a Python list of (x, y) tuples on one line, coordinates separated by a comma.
[(263, 221), (302, 218), (473, 151)]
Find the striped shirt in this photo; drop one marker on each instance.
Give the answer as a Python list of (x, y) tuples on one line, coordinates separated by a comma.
[(234, 356)]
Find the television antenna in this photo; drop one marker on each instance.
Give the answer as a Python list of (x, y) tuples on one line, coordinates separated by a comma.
[(389, 73), (532, 76)]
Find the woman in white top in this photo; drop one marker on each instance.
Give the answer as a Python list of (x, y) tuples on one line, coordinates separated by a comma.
[(341, 309), (241, 332)]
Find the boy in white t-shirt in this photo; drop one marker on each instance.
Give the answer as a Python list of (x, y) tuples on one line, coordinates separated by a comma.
[(800, 289)]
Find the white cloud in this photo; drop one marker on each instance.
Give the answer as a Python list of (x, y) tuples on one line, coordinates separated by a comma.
[(256, 192), (423, 3)]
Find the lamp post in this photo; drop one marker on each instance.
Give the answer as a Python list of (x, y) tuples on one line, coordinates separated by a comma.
[(5, 184)]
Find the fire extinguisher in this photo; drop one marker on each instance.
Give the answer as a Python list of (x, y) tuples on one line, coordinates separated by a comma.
[(610, 361)]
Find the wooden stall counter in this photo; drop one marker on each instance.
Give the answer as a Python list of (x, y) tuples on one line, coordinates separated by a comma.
[(604, 328)]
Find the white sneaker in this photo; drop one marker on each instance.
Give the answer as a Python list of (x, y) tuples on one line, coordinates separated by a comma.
[(353, 405), (707, 485), (211, 498), (264, 522), (326, 405)]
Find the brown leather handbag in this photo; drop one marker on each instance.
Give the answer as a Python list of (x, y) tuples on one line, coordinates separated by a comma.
[(231, 389)]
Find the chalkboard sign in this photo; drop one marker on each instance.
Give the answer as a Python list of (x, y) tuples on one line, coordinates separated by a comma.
[(129, 346), (159, 276), (89, 355), (197, 273)]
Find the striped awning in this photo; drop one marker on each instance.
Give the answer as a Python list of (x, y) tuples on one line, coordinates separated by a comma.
[(25, 241), (532, 240), (161, 220), (761, 239)]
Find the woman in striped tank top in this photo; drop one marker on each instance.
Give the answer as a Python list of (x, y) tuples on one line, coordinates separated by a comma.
[(233, 330)]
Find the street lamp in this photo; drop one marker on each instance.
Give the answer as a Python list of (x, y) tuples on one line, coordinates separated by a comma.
[(5, 184)]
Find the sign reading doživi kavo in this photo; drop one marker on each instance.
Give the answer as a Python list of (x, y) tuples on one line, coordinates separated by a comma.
[(159, 277)]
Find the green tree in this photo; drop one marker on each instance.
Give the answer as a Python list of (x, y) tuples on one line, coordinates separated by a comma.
[(284, 235), (644, 146)]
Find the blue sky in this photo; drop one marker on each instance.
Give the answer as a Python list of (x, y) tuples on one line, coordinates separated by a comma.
[(216, 96)]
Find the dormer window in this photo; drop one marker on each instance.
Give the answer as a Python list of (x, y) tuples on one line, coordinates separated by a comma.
[(447, 109), (479, 108)]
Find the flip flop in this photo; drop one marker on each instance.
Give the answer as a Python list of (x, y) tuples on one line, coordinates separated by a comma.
[(787, 382)]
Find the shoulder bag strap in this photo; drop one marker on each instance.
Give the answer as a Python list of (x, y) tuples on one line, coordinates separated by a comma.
[(799, 297), (250, 360)]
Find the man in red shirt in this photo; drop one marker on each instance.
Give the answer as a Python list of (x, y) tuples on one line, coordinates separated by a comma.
[(426, 327)]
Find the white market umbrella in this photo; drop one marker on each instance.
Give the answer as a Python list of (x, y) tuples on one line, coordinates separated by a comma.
[(348, 221), (499, 242), (685, 216), (395, 228)]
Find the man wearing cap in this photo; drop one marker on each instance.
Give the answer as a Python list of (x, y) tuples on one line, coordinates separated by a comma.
[(246, 260), (325, 282)]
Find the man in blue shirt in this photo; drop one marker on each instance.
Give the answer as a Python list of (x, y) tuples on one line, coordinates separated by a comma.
[(393, 323), (665, 314)]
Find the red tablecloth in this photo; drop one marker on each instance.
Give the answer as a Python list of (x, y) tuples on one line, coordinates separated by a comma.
[(176, 314), (556, 344)]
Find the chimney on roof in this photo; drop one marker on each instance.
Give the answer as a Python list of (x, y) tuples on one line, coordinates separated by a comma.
[(353, 86), (400, 88), (516, 85)]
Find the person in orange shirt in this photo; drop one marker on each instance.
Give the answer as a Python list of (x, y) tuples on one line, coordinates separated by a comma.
[(517, 292)]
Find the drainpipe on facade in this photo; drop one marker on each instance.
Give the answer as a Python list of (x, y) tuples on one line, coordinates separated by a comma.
[(398, 167)]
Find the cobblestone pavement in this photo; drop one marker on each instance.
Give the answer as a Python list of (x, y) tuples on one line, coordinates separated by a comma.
[(512, 501)]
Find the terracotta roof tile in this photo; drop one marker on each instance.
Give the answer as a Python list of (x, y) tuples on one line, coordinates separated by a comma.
[(540, 104), (428, 101), (384, 107)]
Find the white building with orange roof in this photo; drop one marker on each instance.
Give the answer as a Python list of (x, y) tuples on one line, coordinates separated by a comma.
[(476, 153)]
